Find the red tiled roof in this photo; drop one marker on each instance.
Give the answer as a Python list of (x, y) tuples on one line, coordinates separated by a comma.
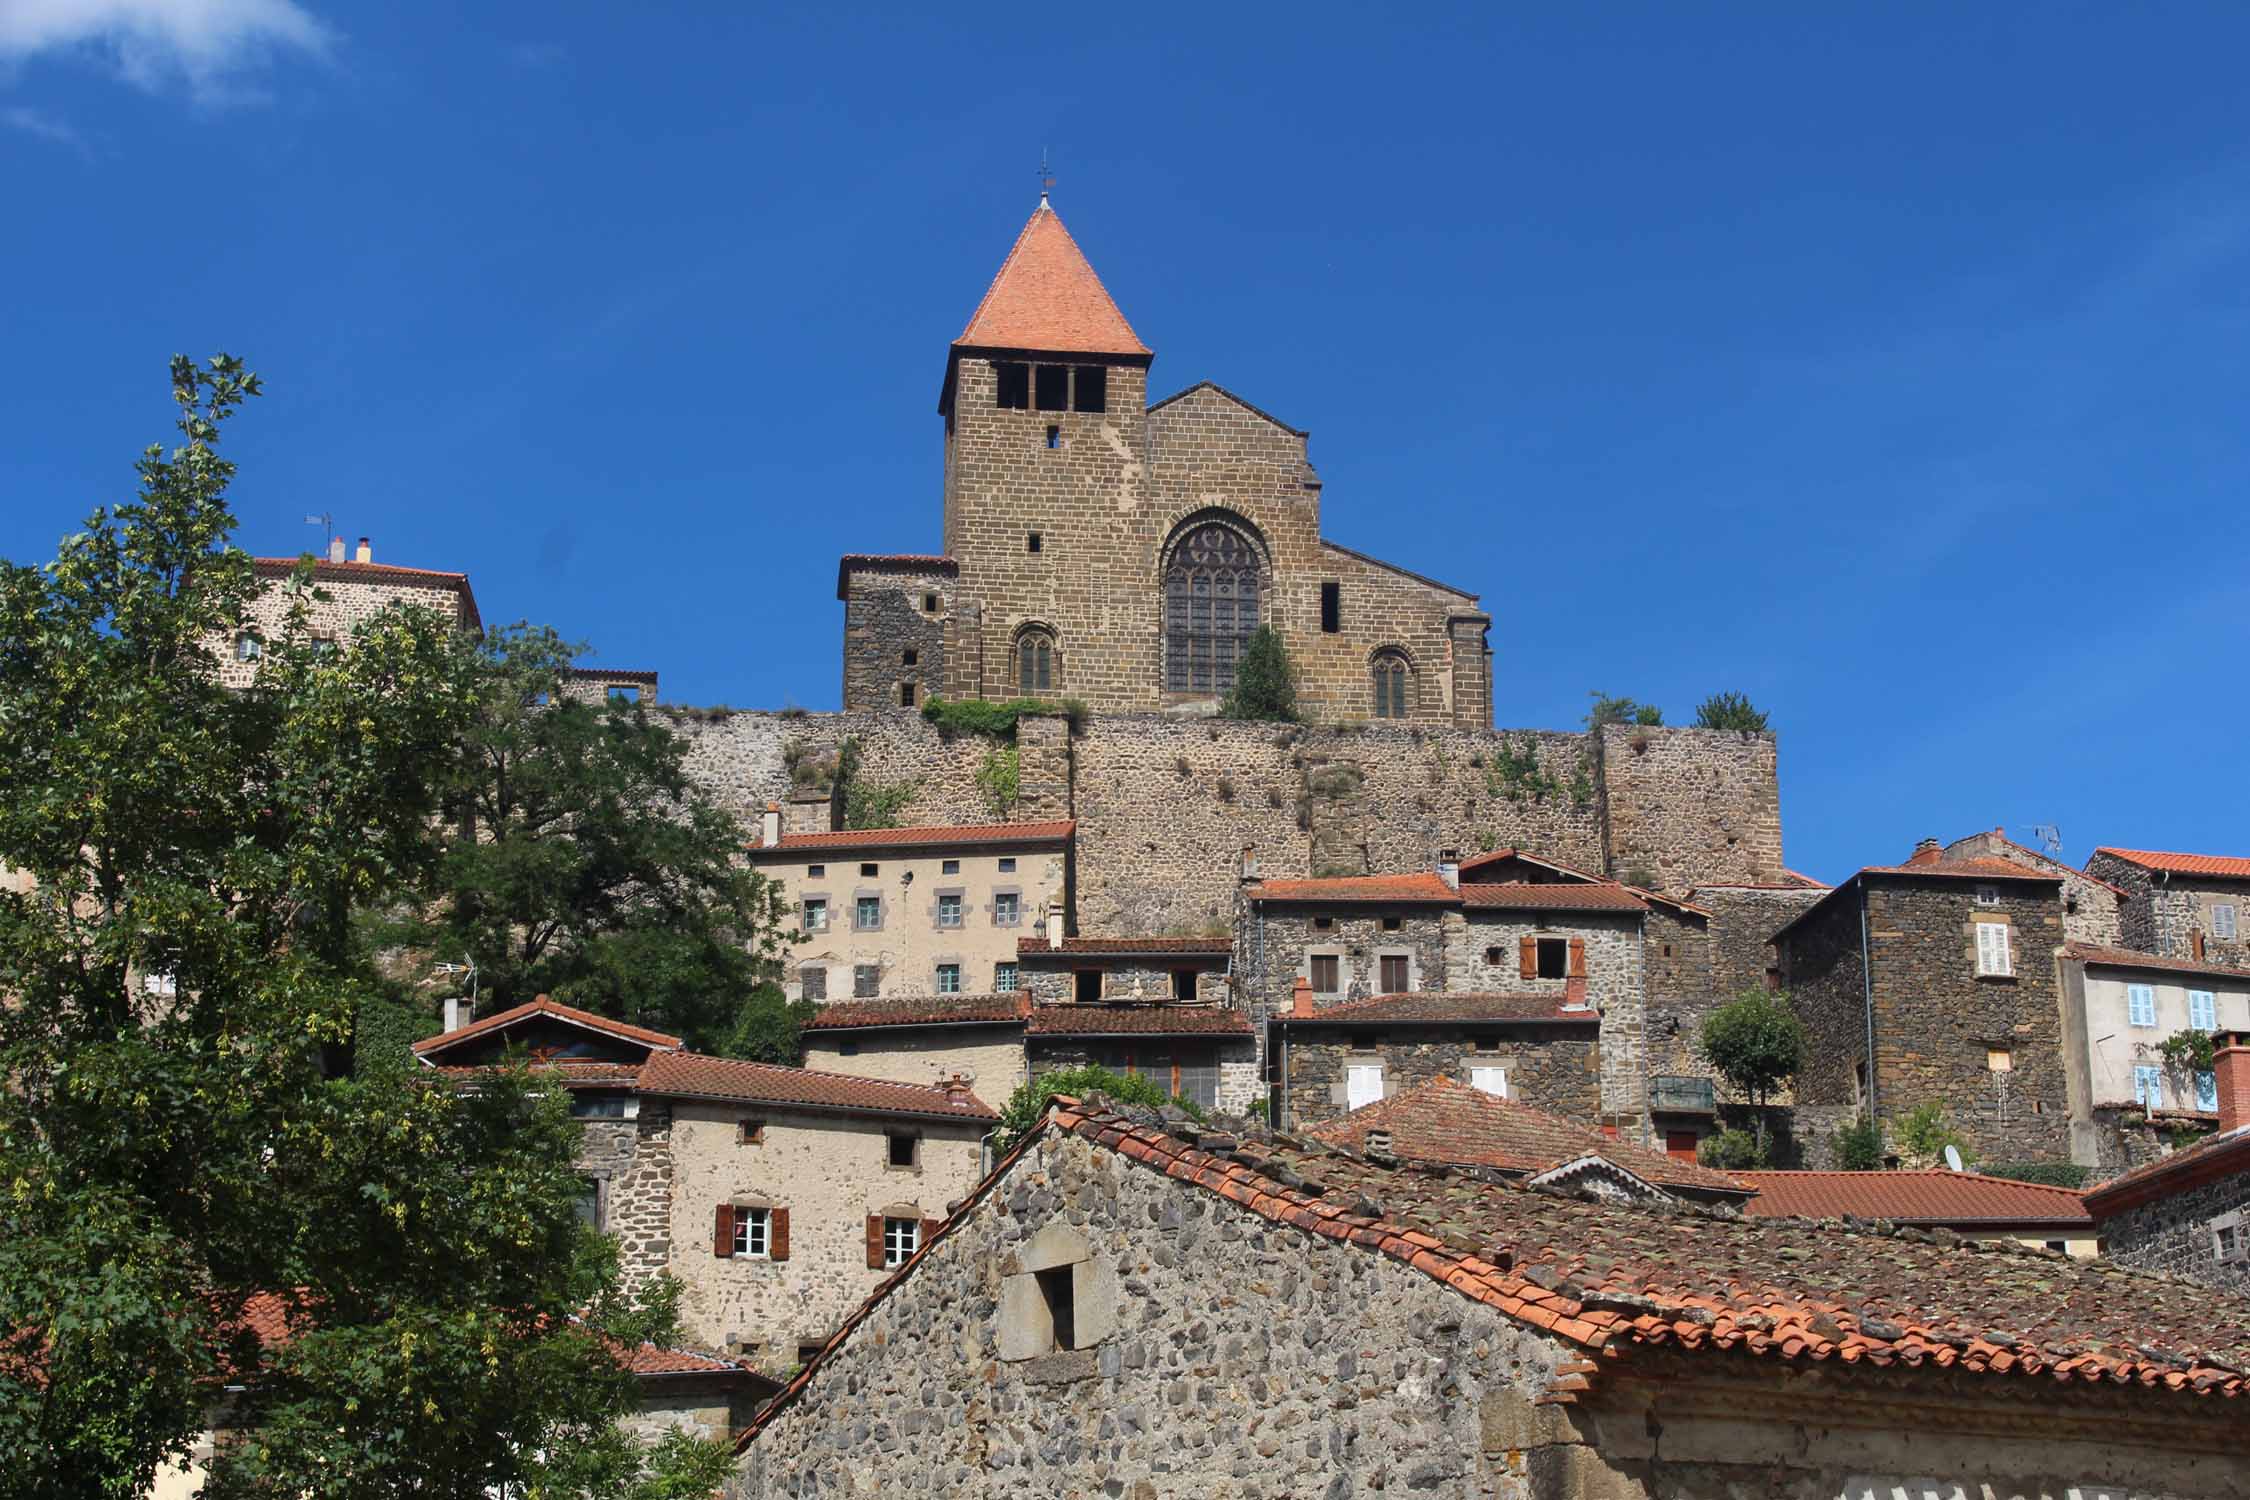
[(2215, 1156), (1951, 1199), (692, 1076), (1047, 298), (1526, 896), (1446, 1121), (1425, 888), (1137, 1020), (2127, 958), (543, 1006), (1435, 1005), (2034, 858), (1803, 881), (2222, 866), (952, 836), (918, 1010), (1501, 856), (1185, 947)]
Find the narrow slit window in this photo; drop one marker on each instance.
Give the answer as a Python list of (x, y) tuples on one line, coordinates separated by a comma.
[(1031, 541), (1054, 436), (1090, 388), (1331, 608), (906, 695), (1055, 1291)]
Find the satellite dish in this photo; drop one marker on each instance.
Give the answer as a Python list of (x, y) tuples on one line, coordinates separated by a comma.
[(1953, 1158)]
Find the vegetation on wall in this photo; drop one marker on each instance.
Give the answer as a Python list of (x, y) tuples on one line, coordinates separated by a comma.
[(1756, 1043), (2189, 1051), (1730, 711), (997, 721), (1000, 778), (869, 803), (1265, 682), (1608, 710), (1513, 771), (166, 1163)]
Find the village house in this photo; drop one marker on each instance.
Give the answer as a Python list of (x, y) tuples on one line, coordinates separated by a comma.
[(2091, 906), (777, 1196), (924, 1039), (1963, 1203), (1146, 1310), (345, 593), (2121, 1009), (2180, 905), (888, 912), (1934, 980), (2189, 1213)]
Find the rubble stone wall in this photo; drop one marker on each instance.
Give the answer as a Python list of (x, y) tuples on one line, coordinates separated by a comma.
[(1556, 1068), (2174, 1233)]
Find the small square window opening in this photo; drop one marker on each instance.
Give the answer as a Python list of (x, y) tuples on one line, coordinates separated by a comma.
[(949, 867), (1554, 958), (1054, 437), (1390, 924), (909, 657), (1008, 866), (904, 1146), (1086, 986), (751, 1133), (816, 872), (1031, 541)]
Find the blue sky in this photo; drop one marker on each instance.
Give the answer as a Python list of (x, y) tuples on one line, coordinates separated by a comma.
[(1886, 364)]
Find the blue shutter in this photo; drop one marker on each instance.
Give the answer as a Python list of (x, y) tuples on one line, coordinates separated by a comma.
[(2207, 1092), (2140, 1003), (2148, 1087), (2203, 1010)]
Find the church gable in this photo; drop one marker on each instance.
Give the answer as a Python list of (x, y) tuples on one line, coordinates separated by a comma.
[(1208, 423)]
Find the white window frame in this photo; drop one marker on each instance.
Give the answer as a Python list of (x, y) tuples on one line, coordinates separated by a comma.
[(247, 646), (901, 1238), (2241, 1247), (1358, 1078), (949, 979), (1996, 957), (2140, 1004), (753, 1233), (1007, 908), (2203, 1010), (815, 914), (1493, 1081), (1988, 895), (2223, 924), (2148, 1086)]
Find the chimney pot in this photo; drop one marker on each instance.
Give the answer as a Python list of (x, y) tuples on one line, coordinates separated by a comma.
[(335, 549), (365, 554)]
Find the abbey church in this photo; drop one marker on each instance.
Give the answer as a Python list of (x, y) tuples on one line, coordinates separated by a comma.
[(1119, 552)]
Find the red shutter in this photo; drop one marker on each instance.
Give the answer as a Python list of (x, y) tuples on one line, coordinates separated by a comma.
[(777, 1234), (722, 1232), (930, 1227), (1578, 958), (874, 1242), (1527, 957)]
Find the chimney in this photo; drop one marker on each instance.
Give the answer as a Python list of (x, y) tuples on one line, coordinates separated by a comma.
[(456, 1014), (2231, 1064), (1300, 1000), (1449, 867), (956, 1091), (769, 826), (1927, 852), (1054, 924), (335, 549), (365, 554)]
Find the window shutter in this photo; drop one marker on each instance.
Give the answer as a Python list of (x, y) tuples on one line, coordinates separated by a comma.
[(777, 1234), (722, 1232), (874, 1242), (930, 1228), (1527, 957), (1578, 958)]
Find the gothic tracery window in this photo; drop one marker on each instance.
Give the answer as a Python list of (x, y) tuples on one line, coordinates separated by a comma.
[(1035, 662), (1210, 607), (1390, 686)]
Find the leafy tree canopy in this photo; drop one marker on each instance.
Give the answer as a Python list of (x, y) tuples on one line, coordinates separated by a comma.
[(1608, 710), (1756, 1043), (169, 1151), (1265, 683), (1029, 1101), (1730, 711)]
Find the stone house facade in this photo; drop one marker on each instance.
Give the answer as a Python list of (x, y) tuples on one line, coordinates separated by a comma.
[(1101, 547), (1155, 1312), (884, 913), (1946, 970), (776, 1196), (2189, 1213), (2119, 1009), (2091, 905), (345, 594), (2192, 906)]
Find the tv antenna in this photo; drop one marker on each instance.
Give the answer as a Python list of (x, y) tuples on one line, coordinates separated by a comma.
[(2049, 837), (327, 525)]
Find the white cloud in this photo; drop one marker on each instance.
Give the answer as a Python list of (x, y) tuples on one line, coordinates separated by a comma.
[(45, 126), (152, 41)]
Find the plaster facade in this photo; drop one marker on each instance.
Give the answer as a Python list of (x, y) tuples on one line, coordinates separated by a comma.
[(2117, 1015), (990, 1055)]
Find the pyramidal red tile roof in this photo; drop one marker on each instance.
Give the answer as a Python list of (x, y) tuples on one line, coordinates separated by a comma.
[(1446, 1121), (1047, 298), (1916, 1197), (2224, 866), (950, 835), (690, 1075), (543, 1006), (1138, 1020)]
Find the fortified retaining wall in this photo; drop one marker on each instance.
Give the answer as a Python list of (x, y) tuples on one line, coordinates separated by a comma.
[(1165, 806)]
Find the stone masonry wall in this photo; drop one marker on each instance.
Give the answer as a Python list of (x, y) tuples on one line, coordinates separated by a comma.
[(638, 1209), (1676, 951), (2090, 906), (1279, 941), (347, 605), (1687, 807), (1825, 977), (1556, 1068), (1615, 985), (2174, 1234), (1340, 1374), (893, 636)]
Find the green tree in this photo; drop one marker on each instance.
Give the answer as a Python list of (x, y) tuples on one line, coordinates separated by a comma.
[(1265, 683), (769, 1028), (1608, 710), (1730, 711), (589, 866), (1924, 1132), (1029, 1101), (1756, 1043), (170, 1153), (1859, 1146)]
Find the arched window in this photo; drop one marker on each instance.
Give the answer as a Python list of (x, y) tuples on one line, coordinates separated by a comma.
[(1391, 676), (1035, 662), (1210, 606)]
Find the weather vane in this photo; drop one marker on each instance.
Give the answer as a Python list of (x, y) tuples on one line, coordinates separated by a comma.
[(1046, 176)]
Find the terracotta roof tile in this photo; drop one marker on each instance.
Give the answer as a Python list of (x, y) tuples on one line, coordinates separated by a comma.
[(919, 1010), (1446, 1121), (1551, 896), (1424, 888), (1047, 298), (1952, 1199), (2223, 866), (2129, 958), (1183, 947), (1435, 1005), (950, 836), (689, 1075), (1137, 1020), (543, 1006)]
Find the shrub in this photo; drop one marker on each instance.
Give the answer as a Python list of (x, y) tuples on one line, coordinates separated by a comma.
[(2189, 1051), (1225, 788), (1730, 711), (1924, 1132), (384, 1032), (1859, 1146), (1000, 778), (1608, 710), (995, 721), (1265, 684), (1021, 1113), (767, 1028), (2062, 1174), (1732, 1150)]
